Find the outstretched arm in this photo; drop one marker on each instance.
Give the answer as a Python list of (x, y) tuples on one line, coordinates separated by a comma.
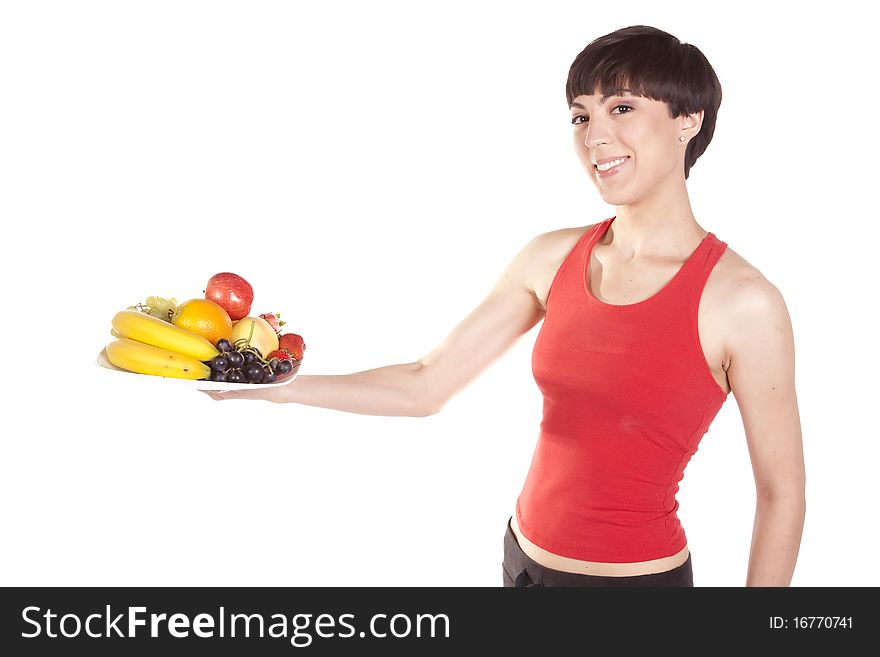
[(424, 386), (761, 375)]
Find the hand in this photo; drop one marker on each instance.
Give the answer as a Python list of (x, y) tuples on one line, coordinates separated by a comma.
[(267, 394), (259, 393)]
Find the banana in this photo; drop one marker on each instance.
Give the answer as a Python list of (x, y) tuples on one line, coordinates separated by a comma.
[(144, 358), (154, 331)]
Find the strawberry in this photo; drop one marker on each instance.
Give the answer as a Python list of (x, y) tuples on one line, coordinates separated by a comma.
[(293, 344), (274, 321), (280, 354)]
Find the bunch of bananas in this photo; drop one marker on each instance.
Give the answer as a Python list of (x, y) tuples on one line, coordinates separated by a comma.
[(149, 345)]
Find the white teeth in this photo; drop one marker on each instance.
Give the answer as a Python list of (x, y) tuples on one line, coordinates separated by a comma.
[(608, 165)]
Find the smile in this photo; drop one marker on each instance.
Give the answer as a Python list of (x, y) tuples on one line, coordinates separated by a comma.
[(610, 168)]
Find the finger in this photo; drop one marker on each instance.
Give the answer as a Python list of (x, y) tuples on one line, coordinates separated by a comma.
[(217, 394)]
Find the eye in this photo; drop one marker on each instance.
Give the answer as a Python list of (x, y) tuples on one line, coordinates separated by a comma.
[(574, 119)]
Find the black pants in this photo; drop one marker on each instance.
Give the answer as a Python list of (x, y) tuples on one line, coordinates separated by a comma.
[(520, 570)]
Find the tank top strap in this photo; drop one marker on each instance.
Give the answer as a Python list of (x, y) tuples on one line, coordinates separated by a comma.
[(699, 265), (686, 289)]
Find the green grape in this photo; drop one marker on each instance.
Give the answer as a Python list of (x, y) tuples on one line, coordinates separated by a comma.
[(161, 307), (160, 313)]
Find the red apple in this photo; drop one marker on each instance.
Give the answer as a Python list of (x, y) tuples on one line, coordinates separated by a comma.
[(232, 292)]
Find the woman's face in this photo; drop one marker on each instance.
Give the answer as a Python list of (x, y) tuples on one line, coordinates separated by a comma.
[(632, 127)]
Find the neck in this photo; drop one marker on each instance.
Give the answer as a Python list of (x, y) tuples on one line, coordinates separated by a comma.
[(660, 225)]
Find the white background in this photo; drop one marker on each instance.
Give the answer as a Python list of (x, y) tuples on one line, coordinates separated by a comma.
[(371, 168)]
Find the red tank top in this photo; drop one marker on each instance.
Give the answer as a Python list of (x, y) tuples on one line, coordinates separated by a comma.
[(627, 397)]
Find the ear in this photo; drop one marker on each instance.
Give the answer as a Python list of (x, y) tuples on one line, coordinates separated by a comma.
[(691, 124)]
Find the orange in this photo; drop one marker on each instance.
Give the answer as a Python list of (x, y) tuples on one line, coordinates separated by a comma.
[(205, 317)]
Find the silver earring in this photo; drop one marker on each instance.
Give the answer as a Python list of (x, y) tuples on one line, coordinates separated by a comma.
[(681, 138)]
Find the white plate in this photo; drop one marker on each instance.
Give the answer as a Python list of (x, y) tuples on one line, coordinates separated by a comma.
[(200, 384)]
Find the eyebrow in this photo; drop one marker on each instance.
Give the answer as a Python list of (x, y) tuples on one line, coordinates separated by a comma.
[(614, 92)]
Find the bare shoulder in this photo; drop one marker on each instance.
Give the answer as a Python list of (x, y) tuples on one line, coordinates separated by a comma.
[(738, 282), (744, 298), (548, 251), (558, 243), (732, 269)]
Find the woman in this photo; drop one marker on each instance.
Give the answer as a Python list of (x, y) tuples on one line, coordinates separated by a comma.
[(650, 321)]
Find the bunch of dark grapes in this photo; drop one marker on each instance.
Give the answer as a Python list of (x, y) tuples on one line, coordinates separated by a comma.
[(241, 363)]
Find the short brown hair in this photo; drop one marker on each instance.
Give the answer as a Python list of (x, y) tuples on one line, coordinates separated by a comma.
[(654, 64)]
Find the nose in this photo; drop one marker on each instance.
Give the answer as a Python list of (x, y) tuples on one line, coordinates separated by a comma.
[(594, 138), (595, 134)]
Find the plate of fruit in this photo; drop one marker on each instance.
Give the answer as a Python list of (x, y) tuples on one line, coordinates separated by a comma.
[(210, 343)]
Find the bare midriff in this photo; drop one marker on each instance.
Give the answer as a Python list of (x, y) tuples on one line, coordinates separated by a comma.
[(602, 568)]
